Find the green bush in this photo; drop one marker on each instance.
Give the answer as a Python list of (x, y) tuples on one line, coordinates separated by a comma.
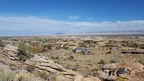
[(44, 75), (102, 62), (53, 58), (66, 47), (2, 44), (8, 76), (141, 61), (74, 69), (71, 57), (23, 54), (120, 79), (56, 57), (22, 58), (109, 52), (113, 61), (13, 67), (31, 68)]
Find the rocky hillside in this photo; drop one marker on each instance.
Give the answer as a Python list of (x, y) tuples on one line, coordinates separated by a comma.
[(55, 71), (54, 59)]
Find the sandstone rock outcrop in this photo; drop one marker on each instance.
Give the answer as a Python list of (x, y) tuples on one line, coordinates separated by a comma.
[(108, 72), (133, 71), (86, 78), (10, 51), (61, 73)]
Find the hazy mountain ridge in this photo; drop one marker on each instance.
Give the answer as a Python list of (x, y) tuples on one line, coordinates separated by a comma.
[(108, 32)]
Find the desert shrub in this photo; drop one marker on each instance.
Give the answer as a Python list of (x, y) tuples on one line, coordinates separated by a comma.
[(124, 41), (45, 49), (94, 72), (66, 47), (8, 76), (102, 62), (31, 68), (58, 47), (113, 61), (2, 44), (120, 79), (135, 45), (44, 75), (83, 45), (13, 67), (74, 69), (1, 71), (23, 54), (52, 57), (68, 66), (83, 52), (141, 46), (56, 57), (49, 47), (71, 57), (40, 49), (33, 49), (3, 62), (141, 61), (22, 58), (95, 69), (89, 41), (109, 52), (23, 76)]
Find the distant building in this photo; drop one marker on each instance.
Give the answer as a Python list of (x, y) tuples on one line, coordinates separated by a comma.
[(83, 50), (132, 52)]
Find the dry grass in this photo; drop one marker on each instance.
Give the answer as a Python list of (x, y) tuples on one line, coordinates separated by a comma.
[(23, 76), (6, 74)]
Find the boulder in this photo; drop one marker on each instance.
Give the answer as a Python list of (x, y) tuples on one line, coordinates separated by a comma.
[(44, 63), (108, 71), (61, 77), (53, 65), (62, 74), (136, 76), (137, 66), (86, 78), (110, 66), (131, 71), (47, 69), (10, 48), (124, 72), (107, 75), (134, 65), (10, 51), (90, 78)]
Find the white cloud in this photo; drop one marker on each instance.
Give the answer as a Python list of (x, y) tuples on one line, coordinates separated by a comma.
[(73, 17), (44, 25), (90, 18)]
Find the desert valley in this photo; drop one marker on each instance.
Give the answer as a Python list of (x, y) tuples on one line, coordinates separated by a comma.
[(72, 58)]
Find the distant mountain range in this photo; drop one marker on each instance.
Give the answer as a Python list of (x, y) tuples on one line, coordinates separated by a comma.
[(125, 32)]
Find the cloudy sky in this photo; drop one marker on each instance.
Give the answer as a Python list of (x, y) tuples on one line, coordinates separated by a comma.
[(26, 17)]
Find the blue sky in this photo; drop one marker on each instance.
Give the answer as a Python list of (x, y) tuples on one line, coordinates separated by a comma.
[(24, 17)]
